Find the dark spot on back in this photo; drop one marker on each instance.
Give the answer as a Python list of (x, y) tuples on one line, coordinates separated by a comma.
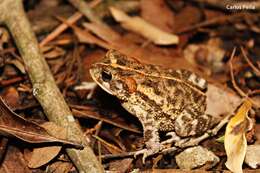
[(150, 102), (171, 100), (126, 73), (138, 67), (157, 90), (174, 74), (121, 61), (172, 82), (196, 97), (178, 93), (148, 83), (192, 112), (152, 84), (151, 68), (186, 74)]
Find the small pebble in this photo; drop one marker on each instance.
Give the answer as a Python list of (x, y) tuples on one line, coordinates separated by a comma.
[(253, 156), (196, 157)]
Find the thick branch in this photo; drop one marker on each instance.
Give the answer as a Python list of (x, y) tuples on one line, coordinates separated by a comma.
[(44, 87)]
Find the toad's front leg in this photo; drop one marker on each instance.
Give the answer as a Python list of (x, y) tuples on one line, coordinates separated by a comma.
[(152, 141), (150, 127)]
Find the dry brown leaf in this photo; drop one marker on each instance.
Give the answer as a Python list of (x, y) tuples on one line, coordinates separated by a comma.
[(104, 32), (43, 155), (145, 55), (88, 60), (3, 147), (14, 125), (11, 96), (60, 167), (14, 162), (235, 140), (121, 165), (114, 40), (147, 30), (150, 11), (187, 17), (86, 37), (54, 52), (88, 112)]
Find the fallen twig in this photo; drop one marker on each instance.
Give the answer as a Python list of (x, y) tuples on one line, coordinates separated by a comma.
[(255, 69), (57, 31), (240, 92), (133, 153), (72, 19), (85, 9), (212, 21), (44, 86)]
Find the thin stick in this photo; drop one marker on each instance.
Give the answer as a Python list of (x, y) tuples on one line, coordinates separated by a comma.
[(62, 27), (45, 89), (211, 22), (57, 31), (257, 91), (255, 69), (85, 9), (240, 92), (133, 153)]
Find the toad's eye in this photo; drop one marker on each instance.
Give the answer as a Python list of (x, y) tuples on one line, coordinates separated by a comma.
[(106, 76)]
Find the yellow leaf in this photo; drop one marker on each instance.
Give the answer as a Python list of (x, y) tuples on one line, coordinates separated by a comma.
[(235, 140)]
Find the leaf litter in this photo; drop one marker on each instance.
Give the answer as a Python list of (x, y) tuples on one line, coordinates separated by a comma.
[(174, 35)]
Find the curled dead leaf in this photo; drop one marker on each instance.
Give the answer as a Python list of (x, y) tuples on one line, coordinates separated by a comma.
[(14, 125), (43, 155), (235, 140)]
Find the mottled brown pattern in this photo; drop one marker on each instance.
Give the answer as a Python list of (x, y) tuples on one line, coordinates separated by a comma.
[(149, 102), (148, 135), (172, 83), (148, 83), (163, 99), (202, 124)]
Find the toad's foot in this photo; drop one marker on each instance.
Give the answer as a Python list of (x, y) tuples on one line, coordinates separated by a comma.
[(173, 138), (148, 152)]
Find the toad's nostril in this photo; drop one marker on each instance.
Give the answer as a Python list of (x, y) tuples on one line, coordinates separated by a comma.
[(106, 76)]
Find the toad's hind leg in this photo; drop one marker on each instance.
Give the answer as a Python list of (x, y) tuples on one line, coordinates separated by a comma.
[(190, 124), (150, 128)]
